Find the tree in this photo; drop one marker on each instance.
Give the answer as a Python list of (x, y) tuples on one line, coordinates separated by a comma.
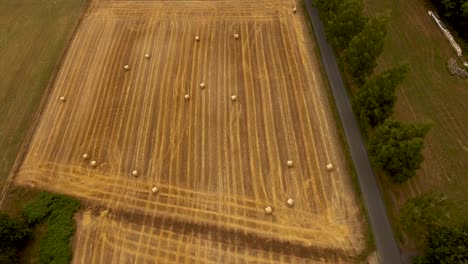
[(421, 212), (327, 8), (13, 235), (445, 244), (396, 148), (456, 13), (375, 101), (345, 23), (361, 55)]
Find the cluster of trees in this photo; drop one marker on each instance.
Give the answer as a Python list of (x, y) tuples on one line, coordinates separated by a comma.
[(445, 244), (375, 100), (427, 219), (57, 212), (394, 147), (456, 13), (14, 234), (359, 39)]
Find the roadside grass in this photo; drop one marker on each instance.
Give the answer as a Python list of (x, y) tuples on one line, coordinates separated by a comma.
[(429, 94), (370, 243), (33, 35)]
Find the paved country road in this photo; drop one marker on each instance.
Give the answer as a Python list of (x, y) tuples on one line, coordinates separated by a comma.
[(383, 234)]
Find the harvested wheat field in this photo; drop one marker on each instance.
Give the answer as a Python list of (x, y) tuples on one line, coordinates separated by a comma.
[(223, 126)]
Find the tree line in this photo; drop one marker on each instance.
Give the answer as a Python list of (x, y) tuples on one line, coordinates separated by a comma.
[(456, 13), (56, 212), (394, 147)]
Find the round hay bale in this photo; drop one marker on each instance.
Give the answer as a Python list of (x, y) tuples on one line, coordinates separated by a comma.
[(202, 85), (329, 166), (268, 210), (85, 156), (197, 38), (290, 163), (126, 67), (62, 99), (93, 163), (233, 98), (290, 202), (147, 56), (155, 189), (294, 10), (135, 173), (236, 36), (187, 97)]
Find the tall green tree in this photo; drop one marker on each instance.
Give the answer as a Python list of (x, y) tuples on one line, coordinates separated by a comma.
[(13, 235), (445, 244), (361, 55), (422, 212), (456, 13), (396, 148), (345, 23), (375, 101), (327, 8)]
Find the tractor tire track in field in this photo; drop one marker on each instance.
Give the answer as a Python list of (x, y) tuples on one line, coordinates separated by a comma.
[(217, 162)]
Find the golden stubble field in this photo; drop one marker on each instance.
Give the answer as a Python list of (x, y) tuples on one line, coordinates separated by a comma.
[(217, 162)]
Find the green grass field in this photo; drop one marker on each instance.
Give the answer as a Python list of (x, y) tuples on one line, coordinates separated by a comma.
[(33, 34), (429, 94)]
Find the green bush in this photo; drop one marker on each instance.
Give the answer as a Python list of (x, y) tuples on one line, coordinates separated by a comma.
[(36, 211), (445, 245), (327, 8), (13, 236), (360, 58), (345, 23), (58, 212), (375, 101), (55, 247), (396, 148), (423, 211)]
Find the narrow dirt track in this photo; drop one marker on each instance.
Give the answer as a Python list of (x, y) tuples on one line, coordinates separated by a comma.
[(218, 163)]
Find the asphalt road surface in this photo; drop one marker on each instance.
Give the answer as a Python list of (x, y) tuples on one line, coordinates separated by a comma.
[(386, 244)]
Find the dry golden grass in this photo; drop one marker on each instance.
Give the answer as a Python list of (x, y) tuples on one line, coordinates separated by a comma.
[(218, 163)]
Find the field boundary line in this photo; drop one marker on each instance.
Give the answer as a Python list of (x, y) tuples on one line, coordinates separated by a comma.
[(44, 100)]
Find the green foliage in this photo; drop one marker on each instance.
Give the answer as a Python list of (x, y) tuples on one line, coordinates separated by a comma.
[(58, 211), (13, 232), (375, 101), (327, 8), (8, 255), (464, 9), (456, 13), (36, 211), (55, 246), (361, 55), (13, 235), (345, 23), (421, 212), (396, 148), (445, 245)]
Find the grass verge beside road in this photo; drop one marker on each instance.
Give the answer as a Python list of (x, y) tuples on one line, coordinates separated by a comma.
[(370, 243)]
